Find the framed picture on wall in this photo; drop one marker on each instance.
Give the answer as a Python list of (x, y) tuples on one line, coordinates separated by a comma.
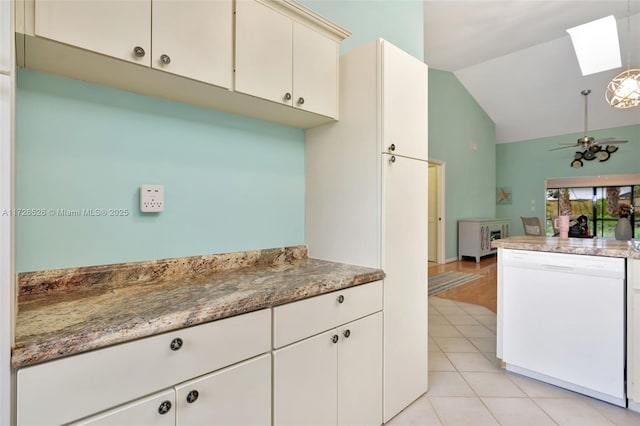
[(503, 195)]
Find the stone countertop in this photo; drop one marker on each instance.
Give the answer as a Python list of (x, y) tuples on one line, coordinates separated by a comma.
[(588, 246), (69, 311)]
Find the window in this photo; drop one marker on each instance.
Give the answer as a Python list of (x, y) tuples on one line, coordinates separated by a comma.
[(601, 204)]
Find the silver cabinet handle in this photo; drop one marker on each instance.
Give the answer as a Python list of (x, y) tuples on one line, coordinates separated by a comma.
[(300, 100), (192, 396), (164, 407), (165, 59), (346, 333), (392, 159), (287, 96), (138, 51), (392, 147), (334, 338), (176, 344)]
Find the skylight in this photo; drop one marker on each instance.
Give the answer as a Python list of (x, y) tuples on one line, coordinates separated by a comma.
[(596, 45)]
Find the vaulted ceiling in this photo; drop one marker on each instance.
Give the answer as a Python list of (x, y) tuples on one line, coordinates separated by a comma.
[(516, 59)]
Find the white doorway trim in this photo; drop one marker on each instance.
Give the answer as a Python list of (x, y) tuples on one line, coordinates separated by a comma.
[(440, 186)]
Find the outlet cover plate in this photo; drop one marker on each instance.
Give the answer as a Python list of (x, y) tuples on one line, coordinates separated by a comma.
[(151, 198)]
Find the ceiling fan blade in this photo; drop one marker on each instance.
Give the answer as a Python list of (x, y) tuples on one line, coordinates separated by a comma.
[(605, 139), (564, 147), (612, 142)]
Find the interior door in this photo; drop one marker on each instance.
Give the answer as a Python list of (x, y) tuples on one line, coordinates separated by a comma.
[(405, 285), (433, 214)]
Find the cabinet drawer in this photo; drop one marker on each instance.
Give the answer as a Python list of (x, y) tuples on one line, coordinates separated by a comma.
[(70, 388), (143, 412), (298, 320)]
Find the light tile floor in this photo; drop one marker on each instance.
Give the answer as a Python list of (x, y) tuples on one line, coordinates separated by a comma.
[(467, 387)]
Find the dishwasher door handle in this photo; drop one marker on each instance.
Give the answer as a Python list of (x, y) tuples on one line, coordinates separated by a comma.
[(557, 268)]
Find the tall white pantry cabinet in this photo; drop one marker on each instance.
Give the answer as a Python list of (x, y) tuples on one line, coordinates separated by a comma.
[(366, 200), (7, 101)]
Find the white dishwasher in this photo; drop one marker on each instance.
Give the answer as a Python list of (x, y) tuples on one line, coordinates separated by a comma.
[(564, 321)]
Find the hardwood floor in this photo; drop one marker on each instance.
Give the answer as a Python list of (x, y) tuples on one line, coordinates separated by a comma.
[(482, 291)]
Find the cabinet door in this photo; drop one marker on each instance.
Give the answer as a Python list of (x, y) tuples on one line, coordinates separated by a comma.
[(155, 410), (315, 71), (305, 382), (360, 372), (404, 99), (6, 33), (238, 395), (113, 28), (264, 62), (405, 285), (196, 36)]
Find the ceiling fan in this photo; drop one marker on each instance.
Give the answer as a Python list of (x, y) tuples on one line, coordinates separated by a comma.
[(590, 144)]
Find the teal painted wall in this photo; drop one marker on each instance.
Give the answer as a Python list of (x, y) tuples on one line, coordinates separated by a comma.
[(455, 122), (231, 183), (525, 165), (398, 21)]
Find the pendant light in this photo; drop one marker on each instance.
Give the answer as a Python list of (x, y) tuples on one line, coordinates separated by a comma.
[(623, 91)]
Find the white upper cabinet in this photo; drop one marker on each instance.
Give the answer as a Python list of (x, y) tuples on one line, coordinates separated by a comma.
[(285, 60), (264, 59), (273, 60), (404, 100), (121, 29), (5, 36), (315, 71), (194, 39), (188, 38)]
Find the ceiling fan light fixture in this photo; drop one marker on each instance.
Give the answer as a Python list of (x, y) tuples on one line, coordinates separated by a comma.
[(623, 91)]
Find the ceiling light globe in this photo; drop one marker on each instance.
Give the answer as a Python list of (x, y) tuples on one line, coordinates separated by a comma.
[(623, 91)]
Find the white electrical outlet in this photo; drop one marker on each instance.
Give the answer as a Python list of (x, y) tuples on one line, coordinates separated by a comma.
[(151, 198)]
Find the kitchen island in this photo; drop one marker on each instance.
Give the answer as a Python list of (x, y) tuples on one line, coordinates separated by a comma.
[(561, 314)]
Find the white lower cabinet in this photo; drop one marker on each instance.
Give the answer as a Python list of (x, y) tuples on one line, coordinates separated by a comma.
[(74, 387), (306, 381), (333, 378), (318, 362), (236, 396), (360, 372), (155, 410)]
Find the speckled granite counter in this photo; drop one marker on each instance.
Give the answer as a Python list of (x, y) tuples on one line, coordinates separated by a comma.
[(590, 246), (68, 311)]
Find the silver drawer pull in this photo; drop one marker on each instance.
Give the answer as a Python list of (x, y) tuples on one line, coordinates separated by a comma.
[(192, 396), (176, 344), (164, 407)]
